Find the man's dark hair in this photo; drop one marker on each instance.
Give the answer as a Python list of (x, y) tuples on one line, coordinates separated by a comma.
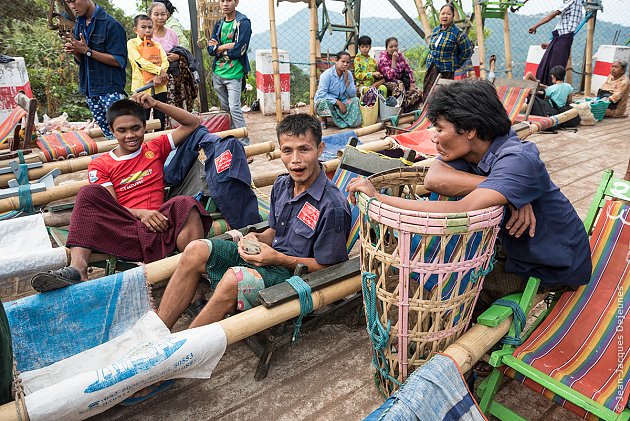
[(341, 54), (124, 107), (299, 124), (138, 18), (364, 40), (470, 105), (390, 39), (559, 72)]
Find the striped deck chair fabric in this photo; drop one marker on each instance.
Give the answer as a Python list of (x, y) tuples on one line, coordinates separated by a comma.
[(581, 342), (513, 98), (341, 179), (8, 125), (59, 146)]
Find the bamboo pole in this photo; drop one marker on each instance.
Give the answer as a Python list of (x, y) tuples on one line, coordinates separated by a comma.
[(108, 145), (274, 57), (569, 76), (424, 20), (97, 135), (81, 163), (70, 189), (588, 56), (313, 55), (481, 49), (508, 44)]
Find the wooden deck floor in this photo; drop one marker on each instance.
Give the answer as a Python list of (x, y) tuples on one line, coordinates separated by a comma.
[(327, 375)]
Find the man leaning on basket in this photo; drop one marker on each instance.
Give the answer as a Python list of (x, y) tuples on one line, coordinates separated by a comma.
[(483, 160)]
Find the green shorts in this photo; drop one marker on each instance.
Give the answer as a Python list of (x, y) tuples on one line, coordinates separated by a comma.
[(251, 279)]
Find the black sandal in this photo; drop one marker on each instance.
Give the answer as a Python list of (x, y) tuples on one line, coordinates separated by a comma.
[(195, 308), (55, 279)]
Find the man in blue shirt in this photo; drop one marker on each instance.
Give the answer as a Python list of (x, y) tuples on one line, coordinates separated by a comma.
[(483, 160), (309, 222), (99, 46)]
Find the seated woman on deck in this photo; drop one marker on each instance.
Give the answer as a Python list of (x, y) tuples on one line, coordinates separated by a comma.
[(616, 89), (398, 76), (483, 160), (336, 95), (122, 212)]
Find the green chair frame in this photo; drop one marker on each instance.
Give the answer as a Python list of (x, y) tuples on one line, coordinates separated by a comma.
[(609, 187)]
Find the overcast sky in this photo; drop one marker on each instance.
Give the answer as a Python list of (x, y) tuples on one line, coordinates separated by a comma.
[(616, 11)]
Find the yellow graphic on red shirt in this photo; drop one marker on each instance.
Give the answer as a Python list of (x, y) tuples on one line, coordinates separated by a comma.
[(136, 176), (149, 154)]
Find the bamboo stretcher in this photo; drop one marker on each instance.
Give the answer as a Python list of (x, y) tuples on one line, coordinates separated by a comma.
[(81, 163)]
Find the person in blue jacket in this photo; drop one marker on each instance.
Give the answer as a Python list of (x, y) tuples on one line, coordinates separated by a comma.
[(99, 47), (228, 45)]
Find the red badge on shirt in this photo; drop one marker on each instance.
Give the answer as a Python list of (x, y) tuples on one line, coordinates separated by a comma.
[(223, 161), (309, 214)]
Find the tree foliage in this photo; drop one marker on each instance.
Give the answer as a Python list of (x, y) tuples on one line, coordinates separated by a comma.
[(53, 74)]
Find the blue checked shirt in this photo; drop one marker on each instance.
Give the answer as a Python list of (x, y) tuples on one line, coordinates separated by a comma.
[(571, 14), (449, 48)]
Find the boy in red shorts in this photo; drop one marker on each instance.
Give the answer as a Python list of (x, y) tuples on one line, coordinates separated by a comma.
[(122, 212)]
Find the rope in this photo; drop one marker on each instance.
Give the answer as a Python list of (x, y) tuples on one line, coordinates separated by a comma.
[(379, 335), (477, 273), (373, 224), (518, 321), (25, 198), (306, 302)]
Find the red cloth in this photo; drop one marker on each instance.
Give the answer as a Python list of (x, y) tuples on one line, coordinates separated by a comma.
[(138, 178), (103, 225)]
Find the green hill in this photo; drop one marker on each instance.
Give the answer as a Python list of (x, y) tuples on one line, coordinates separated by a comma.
[(293, 35)]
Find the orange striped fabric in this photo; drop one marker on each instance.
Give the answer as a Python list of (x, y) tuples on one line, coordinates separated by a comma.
[(513, 99), (8, 125), (58, 146)]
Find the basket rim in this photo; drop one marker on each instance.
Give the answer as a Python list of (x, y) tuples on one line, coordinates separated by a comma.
[(484, 214)]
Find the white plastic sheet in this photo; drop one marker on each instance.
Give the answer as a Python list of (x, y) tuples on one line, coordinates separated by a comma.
[(91, 382), (25, 248)]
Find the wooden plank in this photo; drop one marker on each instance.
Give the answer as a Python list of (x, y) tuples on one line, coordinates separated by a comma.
[(283, 292)]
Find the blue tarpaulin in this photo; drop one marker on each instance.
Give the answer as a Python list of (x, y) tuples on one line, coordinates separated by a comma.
[(55, 325), (334, 142), (435, 391)]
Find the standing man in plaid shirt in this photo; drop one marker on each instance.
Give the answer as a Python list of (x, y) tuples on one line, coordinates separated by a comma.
[(449, 49), (558, 50)]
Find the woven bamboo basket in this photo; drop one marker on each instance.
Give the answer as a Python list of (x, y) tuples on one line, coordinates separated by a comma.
[(422, 273)]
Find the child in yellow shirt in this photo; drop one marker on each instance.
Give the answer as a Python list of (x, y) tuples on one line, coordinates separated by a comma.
[(148, 63), (366, 72)]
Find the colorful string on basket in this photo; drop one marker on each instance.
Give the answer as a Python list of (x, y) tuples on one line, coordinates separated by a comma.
[(306, 302)]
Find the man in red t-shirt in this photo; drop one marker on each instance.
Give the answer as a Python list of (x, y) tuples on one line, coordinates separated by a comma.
[(122, 212)]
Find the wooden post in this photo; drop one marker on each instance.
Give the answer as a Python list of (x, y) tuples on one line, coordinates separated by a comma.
[(424, 20), (508, 44), (312, 5), (352, 46), (569, 76), (198, 54), (275, 58), (588, 55), (480, 43)]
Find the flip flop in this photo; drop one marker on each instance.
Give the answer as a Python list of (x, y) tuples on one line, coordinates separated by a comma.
[(195, 308), (55, 279), (155, 390), (482, 368)]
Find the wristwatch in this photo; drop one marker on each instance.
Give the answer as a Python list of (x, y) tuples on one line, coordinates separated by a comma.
[(88, 52)]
